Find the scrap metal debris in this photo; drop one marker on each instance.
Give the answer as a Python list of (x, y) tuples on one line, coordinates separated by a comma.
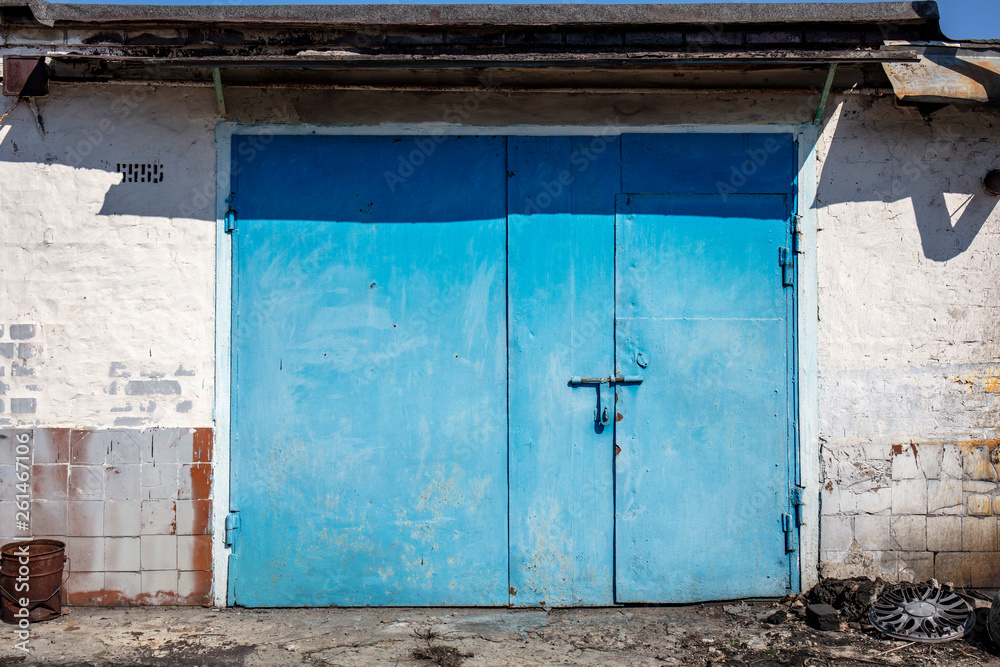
[(923, 614)]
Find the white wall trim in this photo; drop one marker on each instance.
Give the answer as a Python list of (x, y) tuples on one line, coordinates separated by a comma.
[(808, 291), (808, 355), (223, 372)]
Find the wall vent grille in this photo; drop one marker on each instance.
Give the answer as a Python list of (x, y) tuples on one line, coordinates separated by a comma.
[(140, 172)]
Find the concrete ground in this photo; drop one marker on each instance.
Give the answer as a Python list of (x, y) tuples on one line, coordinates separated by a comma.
[(723, 635)]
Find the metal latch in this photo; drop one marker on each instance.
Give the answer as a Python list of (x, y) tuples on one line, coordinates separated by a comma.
[(602, 415), (613, 380), (230, 221)]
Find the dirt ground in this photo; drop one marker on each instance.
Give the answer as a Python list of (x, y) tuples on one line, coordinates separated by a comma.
[(717, 634)]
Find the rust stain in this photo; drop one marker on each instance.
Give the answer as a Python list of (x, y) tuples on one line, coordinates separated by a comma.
[(201, 481), (898, 449), (619, 416), (970, 444), (202, 445), (618, 450), (828, 486), (513, 591)]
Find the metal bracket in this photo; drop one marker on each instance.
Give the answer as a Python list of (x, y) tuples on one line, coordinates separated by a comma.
[(797, 504), (230, 221), (219, 97), (827, 87), (790, 541), (232, 528), (787, 270)]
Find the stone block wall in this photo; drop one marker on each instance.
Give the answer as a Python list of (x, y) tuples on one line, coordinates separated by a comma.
[(132, 506)]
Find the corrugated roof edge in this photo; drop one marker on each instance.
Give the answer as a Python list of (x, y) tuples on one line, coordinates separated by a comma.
[(48, 13)]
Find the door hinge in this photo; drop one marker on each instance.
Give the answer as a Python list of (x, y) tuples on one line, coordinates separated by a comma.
[(787, 525), (797, 503), (232, 528), (230, 221), (787, 269), (796, 234)]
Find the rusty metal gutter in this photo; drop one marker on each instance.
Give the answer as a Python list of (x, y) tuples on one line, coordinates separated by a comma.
[(946, 73)]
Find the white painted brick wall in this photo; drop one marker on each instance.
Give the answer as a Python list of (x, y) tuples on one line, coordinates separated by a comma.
[(119, 278), (909, 252)]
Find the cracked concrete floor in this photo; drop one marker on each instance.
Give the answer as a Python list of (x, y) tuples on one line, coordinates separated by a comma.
[(711, 634)]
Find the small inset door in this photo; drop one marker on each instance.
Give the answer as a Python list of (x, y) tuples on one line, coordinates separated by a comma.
[(701, 475)]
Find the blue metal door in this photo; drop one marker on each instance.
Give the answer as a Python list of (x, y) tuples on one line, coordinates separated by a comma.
[(703, 315), (369, 462), (431, 342)]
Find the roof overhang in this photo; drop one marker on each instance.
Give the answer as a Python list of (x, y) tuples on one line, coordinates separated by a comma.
[(607, 47)]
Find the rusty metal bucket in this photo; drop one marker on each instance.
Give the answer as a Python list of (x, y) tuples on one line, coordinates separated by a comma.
[(38, 564)]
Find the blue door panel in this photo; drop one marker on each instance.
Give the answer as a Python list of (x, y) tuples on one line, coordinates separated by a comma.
[(708, 163), (369, 460), (561, 310), (370, 178), (701, 475), (714, 265)]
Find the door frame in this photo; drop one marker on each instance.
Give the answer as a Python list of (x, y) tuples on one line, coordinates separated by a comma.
[(804, 344)]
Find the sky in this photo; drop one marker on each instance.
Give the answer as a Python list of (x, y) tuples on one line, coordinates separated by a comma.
[(960, 19)]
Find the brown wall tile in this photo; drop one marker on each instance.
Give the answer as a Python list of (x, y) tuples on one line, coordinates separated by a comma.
[(122, 518), (194, 517), (158, 552), (194, 588), (194, 552), (86, 482), (195, 482), (121, 554), (51, 445), (48, 518), (88, 447), (50, 482), (123, 588), (84, 589), (85, 518), (159, 517), (159, 587), (122, 482), (85, 554)]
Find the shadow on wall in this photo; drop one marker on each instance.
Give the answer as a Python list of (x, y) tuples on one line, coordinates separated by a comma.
[(937, 161), (147, 155)]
